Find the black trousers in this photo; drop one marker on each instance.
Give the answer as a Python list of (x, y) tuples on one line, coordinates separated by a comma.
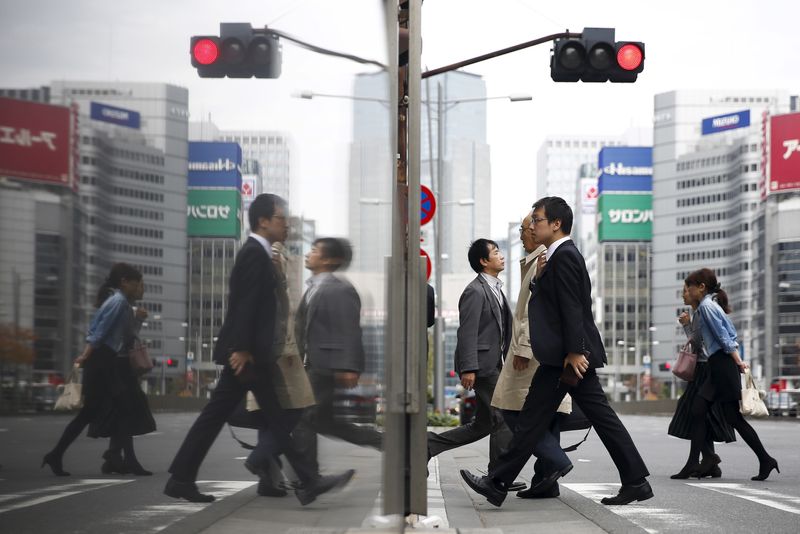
[(224, 400), (537, 413), (321, 419), (488, 421)]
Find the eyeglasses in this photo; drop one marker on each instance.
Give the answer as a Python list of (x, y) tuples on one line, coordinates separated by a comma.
[(523, 228), (537, 220)]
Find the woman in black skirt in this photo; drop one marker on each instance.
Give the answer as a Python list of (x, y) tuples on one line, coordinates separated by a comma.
[(113, 403), (722, 382), (680, 426)]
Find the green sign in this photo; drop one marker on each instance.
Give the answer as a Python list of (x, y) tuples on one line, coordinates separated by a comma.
[(213, 213), (625, 217)]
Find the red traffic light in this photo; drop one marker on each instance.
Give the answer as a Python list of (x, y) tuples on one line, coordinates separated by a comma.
[(205, 51), (629, 57), (451, 374), (169, 362)]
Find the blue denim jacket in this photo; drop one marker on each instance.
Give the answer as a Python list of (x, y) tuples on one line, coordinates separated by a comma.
[(112, 324), (717, 329)]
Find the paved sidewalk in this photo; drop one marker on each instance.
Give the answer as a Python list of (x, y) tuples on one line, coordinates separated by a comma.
[(357, 508)]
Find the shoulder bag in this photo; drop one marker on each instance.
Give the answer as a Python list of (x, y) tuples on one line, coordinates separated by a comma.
[(685, 363)]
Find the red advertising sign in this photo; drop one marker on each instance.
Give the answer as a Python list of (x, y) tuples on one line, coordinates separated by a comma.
[(784, 153), (36, 141)]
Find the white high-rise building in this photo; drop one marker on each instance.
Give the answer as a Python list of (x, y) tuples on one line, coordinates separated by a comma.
[(272, 150), (705, 202)]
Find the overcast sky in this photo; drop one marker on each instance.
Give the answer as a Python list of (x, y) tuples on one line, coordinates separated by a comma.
[(710, 45)]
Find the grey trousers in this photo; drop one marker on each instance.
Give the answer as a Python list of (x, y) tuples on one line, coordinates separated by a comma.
[(488, 421)]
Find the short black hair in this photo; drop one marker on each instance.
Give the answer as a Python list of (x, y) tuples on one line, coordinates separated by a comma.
[(556, 208), (335, 248), (479, 250), (263, 206)]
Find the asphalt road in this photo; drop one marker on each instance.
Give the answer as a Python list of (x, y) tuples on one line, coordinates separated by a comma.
[(32, 500)]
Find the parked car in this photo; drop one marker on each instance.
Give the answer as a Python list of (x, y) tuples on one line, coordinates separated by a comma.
[(782, 403)]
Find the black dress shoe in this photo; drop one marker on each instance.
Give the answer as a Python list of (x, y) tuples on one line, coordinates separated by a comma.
[(186, 490), (267, 489), (309, 492), (484, 486), (550, 493), (629, 493), (135, 468), (548, 481), (517, 485), (765, 468), (707, 465)]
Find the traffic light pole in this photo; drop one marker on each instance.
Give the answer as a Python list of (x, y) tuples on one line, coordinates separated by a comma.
[(501, 52)]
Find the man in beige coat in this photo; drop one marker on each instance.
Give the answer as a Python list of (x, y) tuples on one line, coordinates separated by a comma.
[(515, 379)]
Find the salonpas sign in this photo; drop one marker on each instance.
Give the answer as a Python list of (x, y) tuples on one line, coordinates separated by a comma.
[(213, 213), (625, 217)]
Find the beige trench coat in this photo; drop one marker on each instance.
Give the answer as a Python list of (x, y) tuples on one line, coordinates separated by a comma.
[(512, 386)]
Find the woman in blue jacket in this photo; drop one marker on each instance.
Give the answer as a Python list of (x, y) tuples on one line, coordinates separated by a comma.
[(113, 404), (722, 382)]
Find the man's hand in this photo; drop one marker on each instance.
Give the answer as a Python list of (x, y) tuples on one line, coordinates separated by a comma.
[(541, 263), (239, 360), (520, 363), (578, 362), (346, 379), (467, 380)]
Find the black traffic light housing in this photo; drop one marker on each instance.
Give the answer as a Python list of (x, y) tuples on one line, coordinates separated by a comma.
[(238, 52), (596, 57)]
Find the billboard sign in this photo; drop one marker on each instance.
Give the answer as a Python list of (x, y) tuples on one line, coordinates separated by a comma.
[(625, 169), (625, 217), (119, 116), (36, 142), (784, 153), (213, 213), (215, 164), (729, 121), (589, 194)]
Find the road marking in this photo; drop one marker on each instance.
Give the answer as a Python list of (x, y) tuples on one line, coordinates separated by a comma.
[(760, 496), (52, 493), (651, 518), (173, 510)]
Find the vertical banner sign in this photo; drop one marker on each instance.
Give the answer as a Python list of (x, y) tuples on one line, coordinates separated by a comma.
[(36, 142), (784, 155)]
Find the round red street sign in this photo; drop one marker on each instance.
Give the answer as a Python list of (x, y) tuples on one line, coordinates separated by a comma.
[(427, 263), (427, 205)]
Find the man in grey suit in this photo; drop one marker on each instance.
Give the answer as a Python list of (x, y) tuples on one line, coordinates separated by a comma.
[(484, 335), (328, 334)]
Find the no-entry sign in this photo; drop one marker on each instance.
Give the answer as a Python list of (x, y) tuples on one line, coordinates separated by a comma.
[(427, 205)]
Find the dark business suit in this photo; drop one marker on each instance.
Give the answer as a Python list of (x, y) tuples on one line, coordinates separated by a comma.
[(484, 335), (249, 325), (561, 322), (328, 334)]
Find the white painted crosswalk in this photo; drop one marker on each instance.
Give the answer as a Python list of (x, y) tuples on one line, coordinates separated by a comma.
[(773, 499), (45, 494)]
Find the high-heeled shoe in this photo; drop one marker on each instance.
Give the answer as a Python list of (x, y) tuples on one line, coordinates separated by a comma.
[(687, 472), (113, 464), (765, 468), (55, 464), (707, 465)]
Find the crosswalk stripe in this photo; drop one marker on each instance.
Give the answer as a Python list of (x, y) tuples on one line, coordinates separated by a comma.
[(52, 493), (766, 497)]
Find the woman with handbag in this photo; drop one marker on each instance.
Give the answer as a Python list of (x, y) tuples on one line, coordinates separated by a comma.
[(722, 383), (717, 427), (111, 332)]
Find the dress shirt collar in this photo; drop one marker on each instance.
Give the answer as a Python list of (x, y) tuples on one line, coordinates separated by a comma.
[(552, 248), (493, 281), (263, 242), (533, 255)]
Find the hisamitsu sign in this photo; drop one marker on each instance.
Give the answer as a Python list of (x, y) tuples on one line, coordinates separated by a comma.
[(215, 164)]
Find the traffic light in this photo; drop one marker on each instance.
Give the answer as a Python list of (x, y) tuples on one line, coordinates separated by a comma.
[(666, 366), (172, 362), (239, 52), (596, 57), (451, 374)]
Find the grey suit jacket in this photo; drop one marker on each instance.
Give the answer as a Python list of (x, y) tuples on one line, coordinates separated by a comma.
[(328, 329), (480, 347)]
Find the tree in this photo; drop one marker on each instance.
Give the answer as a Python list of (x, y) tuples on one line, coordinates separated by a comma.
[(16, 345)]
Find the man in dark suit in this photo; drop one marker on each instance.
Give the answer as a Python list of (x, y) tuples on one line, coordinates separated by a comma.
[(484, 335), (328, 334), (569, 348), (245, 348)]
